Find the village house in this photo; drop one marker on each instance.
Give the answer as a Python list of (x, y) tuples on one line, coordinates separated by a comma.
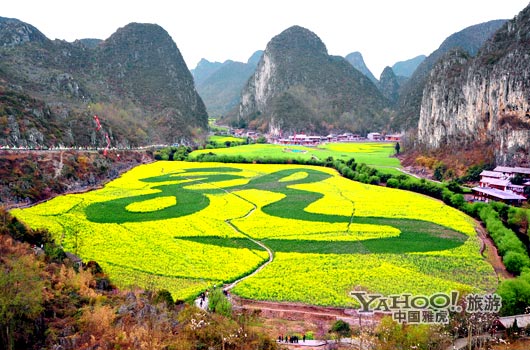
[(497, 185), (393, 137), (301, 139), (502, 324), (510, 172), (374, 136), (305, 140)]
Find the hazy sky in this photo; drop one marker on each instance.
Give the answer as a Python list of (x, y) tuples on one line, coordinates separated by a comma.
[(384, 31)]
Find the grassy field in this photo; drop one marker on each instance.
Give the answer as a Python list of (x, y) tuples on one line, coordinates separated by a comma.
[(221, 140), (186, 226), (377, 154)]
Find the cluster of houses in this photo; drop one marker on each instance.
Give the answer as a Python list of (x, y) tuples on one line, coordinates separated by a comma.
[(314, 140), (497, 185), (305, 140)]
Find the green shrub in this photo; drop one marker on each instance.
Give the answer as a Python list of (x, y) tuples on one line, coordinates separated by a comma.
[(219, 303), (163, 296), (515, 261), (392, 183), (515, 294)]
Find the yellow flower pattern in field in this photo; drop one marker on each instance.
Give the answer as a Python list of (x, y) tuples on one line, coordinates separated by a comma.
[(337, 275), (296, 176), (187, 254), (152, 204), (260, 225), (343, 197)]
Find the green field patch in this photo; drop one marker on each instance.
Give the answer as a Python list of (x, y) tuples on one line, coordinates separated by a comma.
[(406, 242), (233, 242), (371, 153), (222, 140)]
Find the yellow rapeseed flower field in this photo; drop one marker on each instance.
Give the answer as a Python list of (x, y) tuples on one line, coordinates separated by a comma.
[(186, 226)]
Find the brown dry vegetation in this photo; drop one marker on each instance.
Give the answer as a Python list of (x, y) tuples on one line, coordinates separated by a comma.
[(46, 301), (31, 176), (456, 160)]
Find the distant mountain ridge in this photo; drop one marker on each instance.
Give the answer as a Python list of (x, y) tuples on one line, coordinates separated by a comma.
[(136, 80), (206, 68), (357, 61), (297, 86), (406, 68), (220, 84)]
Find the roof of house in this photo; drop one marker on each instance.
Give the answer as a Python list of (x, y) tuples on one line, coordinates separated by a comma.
[(489, 173), (498, 193), (522, 321), (496, 182), (517, 170)]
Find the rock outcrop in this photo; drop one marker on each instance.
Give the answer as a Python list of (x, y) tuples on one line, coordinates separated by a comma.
[(483, 100), (298, 87)]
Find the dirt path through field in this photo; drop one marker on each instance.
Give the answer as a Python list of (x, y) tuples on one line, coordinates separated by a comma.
[(489, 251)]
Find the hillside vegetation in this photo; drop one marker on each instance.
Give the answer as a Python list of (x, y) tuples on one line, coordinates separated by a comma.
[(136, 80)]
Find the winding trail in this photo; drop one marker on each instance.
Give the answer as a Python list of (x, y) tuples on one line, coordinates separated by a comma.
[(261, 244), (489, 251), (261, 267), (236, 229)]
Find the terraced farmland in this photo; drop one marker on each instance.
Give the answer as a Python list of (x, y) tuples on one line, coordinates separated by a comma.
[(186, 226)]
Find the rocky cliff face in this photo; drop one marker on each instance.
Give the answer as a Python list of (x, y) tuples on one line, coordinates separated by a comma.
[(469, 39), (136, 80), (483, 100), (298, 87)]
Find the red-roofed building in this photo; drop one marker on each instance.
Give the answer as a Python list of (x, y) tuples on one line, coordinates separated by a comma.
[(486, 194), (496, 185)]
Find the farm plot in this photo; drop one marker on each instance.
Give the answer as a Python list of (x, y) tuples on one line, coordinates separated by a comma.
[(186, 226), (377, 154)]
